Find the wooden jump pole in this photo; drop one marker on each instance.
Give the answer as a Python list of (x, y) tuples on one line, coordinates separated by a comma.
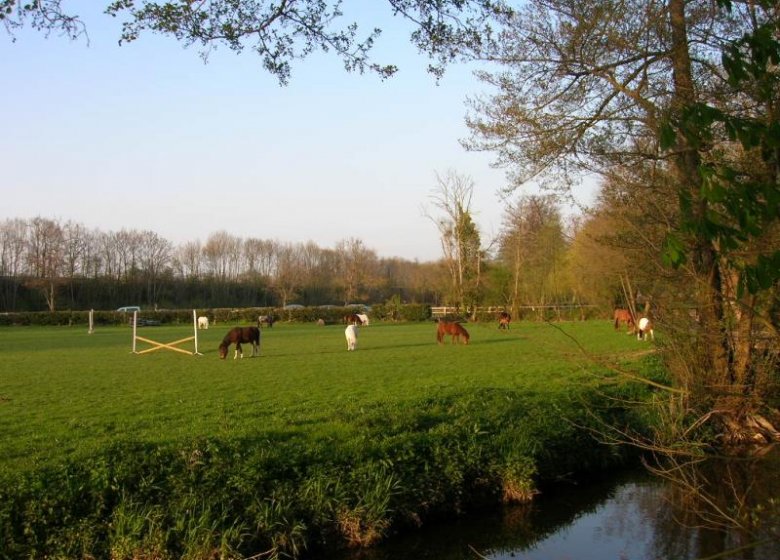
[(156, 345)]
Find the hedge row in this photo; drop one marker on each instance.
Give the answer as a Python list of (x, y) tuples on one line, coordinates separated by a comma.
[(330, 315)]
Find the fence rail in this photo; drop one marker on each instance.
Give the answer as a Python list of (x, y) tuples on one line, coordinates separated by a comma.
[(446, 310)]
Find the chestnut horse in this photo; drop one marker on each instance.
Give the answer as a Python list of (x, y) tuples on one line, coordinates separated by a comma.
[(236, 336), (456, 330), (624, 316), (504, 318)]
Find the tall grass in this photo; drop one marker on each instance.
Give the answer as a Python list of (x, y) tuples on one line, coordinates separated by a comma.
[(109, 454)]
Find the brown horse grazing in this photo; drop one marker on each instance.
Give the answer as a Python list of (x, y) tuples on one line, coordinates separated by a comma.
[(504, 319), (236, 336), (624, 316), (456, 330), (353, 319)]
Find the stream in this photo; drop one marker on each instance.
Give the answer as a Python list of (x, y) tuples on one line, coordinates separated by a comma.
[(631, 516)]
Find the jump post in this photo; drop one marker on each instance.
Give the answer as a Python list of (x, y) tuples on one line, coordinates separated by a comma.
[(166, 345)]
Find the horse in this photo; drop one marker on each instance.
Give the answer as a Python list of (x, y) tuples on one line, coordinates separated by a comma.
[(267, 319), (236, 336), (363, 318), (351, 332), (455, 330), (624, 316), (353, 319), (504, 318), (645, 326), (203, 323)]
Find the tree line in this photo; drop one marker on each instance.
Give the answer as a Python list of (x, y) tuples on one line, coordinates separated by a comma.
[(47, 264)]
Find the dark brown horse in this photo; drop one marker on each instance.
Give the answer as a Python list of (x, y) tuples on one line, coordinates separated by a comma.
[(624, 316), (504, 318), (455, 330), (353, 319), (237, 336)]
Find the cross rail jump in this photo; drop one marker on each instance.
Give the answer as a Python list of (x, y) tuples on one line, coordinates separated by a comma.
[(173, 346)]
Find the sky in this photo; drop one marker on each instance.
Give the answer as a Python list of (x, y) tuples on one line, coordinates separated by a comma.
[(147, 136)]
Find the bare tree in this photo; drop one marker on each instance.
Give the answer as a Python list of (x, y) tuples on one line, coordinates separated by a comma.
[(355, 267), (188, 259), (45, 254), (13, 242), (155, 259), (223, 253), (460, 239), (289, 271)]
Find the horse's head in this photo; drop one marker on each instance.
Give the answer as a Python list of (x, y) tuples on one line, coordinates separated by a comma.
[(223, 350)]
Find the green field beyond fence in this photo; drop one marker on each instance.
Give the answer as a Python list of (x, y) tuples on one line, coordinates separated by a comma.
[(379, 438)]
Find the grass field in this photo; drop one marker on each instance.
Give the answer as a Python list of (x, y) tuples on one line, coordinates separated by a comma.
[(64, 392), (392, 422)]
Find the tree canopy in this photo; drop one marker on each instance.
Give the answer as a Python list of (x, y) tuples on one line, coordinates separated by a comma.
[(281, 32)]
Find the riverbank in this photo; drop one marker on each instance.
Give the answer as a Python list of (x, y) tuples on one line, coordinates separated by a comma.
[(292, 477)]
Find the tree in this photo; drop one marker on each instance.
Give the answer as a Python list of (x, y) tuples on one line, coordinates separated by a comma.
[(460, 240), (279, 32), (155, 260), (356, 266), (45, 253), (288, 277), (600, 86), (12, 247), (532, 247)]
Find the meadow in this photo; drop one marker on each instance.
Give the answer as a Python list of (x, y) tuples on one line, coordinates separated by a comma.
[(306, 446)]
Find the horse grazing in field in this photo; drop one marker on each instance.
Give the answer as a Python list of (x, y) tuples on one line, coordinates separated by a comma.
[(203, 322), (624, 316), (351, 332), (353, 319), (267, 319), (455, 330), (237, 336), (504, 318), (645, 327)]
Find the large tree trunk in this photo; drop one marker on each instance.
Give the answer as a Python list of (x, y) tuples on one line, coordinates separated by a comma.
[(705, 264)]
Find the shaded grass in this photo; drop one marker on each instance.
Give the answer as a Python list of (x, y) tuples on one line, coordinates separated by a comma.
[(306, 446)]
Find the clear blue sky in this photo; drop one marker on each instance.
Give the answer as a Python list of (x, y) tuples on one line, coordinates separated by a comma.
[(146, 136)]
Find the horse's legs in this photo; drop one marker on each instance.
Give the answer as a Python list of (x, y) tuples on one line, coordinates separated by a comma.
[(238, 351)]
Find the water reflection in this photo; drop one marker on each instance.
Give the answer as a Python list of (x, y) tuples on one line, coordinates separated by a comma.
[(721, 506)]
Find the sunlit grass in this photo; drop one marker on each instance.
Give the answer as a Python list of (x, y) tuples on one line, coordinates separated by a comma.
[(65, 393)]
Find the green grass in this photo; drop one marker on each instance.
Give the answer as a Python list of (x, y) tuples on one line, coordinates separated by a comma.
[(110, 454), (64, 392)]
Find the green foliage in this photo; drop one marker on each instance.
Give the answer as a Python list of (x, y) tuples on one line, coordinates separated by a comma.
[(742, 204)]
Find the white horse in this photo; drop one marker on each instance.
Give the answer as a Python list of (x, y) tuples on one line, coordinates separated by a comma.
[(351, 332), (203, 323), (645, 327), (363, 318)]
